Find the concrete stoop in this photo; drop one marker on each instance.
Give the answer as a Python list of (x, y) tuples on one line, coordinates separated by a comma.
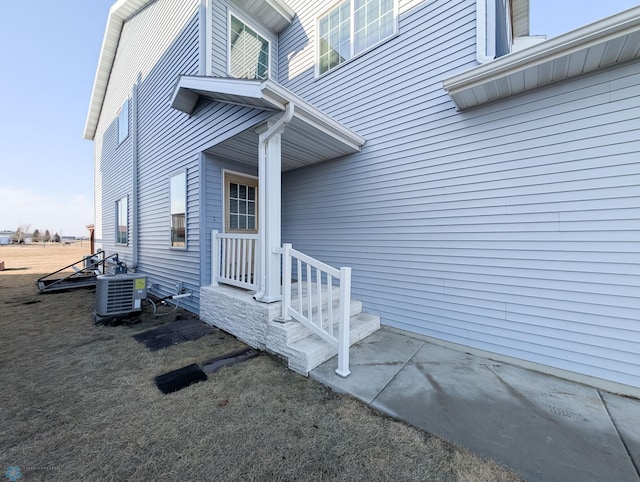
[(235, 311)]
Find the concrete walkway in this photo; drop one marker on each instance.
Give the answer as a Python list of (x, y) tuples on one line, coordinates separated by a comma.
[(542, 427)]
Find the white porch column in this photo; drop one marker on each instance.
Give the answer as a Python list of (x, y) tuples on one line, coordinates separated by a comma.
[(270, 224), (269, 206)]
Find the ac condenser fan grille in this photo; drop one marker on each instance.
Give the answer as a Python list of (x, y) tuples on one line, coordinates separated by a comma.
[(119, 296)]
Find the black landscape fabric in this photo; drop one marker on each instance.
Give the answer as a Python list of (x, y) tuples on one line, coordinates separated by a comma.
[(178, 379), (228, 359)]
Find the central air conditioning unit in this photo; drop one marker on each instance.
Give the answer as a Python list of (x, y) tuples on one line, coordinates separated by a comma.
[(118, 296)]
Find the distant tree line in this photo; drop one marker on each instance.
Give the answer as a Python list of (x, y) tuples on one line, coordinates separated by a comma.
[(22, 233)]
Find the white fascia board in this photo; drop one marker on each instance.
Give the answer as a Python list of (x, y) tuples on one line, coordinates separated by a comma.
[(186, 91), (118, 14), (583, 38), (313, 116)]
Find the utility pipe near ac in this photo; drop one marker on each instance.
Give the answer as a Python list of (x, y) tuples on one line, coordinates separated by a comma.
[(134, 168)]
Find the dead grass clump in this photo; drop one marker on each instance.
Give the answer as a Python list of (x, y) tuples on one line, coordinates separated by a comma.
[(79, 403)]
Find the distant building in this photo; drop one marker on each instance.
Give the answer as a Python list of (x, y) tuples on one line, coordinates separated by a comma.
[(5, 237)]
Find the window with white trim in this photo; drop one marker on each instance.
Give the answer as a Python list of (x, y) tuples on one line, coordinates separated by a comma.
[(123, 122), (352, 27), (178, 202), (241, 196), (122, 221), (248, 51)]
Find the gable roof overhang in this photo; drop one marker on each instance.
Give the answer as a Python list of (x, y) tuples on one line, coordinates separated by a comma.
[(310, 137), (609, 41), (274, 14), (118, 15)]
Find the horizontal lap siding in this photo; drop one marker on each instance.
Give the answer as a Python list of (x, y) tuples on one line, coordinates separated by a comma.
[(514, 227), (156, 45)]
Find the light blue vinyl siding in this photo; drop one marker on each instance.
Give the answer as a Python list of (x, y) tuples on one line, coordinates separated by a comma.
[(160, 153), (169, 142), (513, 227), (116, 183)]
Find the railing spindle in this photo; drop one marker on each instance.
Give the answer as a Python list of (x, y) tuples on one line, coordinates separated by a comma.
[(319, 292), (233, 259), (309, 294)]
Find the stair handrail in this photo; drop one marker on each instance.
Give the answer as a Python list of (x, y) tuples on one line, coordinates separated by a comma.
[(93, 264), (343, 275)]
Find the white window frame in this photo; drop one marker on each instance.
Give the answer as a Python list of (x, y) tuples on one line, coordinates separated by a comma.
[(171, 213), (124, 200), (123, 120), (241, 18), (227, 177), (353, 55)]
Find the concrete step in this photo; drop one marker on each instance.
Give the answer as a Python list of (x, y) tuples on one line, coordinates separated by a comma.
[(236, 312), (307, 353)]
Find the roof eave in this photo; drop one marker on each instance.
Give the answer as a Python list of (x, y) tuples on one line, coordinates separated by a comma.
[(598, 33)]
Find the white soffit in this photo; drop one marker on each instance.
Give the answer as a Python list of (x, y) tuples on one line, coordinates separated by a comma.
[(118, 14), (312, 136), (606, 42), (276, 15)]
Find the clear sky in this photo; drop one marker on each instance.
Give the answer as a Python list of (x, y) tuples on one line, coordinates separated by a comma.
[(48, 56)]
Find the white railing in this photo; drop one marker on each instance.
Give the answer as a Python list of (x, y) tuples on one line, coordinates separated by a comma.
[(314, 303), (233, 259)]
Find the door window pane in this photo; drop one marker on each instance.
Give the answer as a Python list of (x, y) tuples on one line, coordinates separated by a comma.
[(241, 203)]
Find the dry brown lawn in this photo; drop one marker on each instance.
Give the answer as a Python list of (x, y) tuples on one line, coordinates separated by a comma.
[(79, 403)]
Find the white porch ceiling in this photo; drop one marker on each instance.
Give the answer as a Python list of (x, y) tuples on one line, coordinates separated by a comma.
[(601, 44), (310, 137)]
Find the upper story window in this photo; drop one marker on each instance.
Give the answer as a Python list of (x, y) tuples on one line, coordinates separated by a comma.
[(352, 27), (248, 51), (123, 122)]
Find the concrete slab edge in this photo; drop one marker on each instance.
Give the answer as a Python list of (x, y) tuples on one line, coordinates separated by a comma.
[(594, 382), (624, 443)]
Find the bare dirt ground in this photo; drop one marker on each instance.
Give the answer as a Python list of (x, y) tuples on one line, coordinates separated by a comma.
[(79, 402)]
